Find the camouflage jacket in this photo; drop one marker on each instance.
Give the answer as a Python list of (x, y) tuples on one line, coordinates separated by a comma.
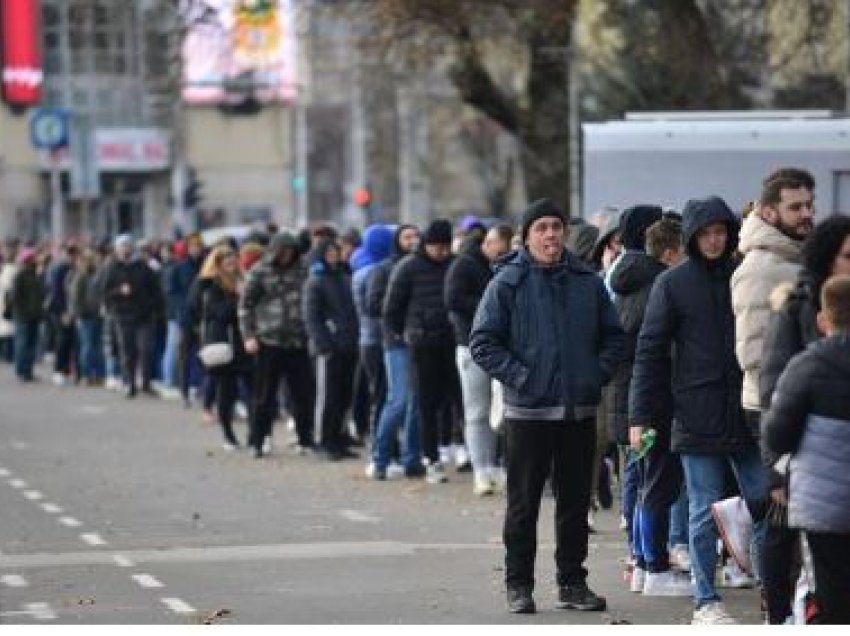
[(270, 306)]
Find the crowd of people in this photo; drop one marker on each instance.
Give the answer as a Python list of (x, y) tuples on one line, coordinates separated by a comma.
[(696, 355)]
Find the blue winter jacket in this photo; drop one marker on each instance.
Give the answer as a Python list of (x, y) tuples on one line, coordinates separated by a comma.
[(177, 286), (550, 335)]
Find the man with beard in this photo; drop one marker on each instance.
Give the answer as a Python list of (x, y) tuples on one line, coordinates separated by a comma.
[(771, 241)]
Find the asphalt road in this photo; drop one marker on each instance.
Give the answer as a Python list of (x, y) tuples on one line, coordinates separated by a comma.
[(129, 512)]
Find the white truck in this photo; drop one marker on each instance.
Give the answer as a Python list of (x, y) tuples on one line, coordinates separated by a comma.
[(668, 158)]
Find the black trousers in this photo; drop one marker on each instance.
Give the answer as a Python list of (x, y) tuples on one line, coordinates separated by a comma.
[(831, 556), (661, 482), (533, 450), (334, 382), (436, 380), (65, 361), (135, 342), (271, 364), (778, 561), (372, 361), (227, 381)]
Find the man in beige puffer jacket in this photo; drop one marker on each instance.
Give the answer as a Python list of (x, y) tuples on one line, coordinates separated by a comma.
[(771, 242)]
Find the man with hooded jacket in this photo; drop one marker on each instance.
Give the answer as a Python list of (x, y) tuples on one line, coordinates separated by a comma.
[(273, 330), (690, 308)]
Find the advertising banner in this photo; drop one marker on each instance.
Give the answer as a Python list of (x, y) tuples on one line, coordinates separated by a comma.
[(20, 54), (241, 49)]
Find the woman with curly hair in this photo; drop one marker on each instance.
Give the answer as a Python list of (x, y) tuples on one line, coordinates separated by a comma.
[(219, 286), (791, 328)]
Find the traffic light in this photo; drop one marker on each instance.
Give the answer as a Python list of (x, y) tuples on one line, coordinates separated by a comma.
[(193, 194), (363, 197)]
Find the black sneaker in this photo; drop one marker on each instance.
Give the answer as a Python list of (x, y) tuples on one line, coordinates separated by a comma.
[(415, 472), (579, 597), (520, 601)]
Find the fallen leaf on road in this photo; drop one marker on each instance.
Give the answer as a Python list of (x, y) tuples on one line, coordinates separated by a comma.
[(208, 619)]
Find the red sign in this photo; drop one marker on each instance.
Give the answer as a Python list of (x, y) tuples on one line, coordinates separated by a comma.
[(22, 71)]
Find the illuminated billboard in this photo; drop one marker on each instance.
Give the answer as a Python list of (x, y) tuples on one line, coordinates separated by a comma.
[(239, 49), (20, 51)]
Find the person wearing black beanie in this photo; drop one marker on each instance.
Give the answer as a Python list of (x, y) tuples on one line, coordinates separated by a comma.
[(538, 210), (438, 232)]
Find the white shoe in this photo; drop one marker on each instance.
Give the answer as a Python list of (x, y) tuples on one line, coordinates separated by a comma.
[(395, 470), (680, 557), (445, 455), (462, 459), (736, 529), (591, 520), (373, 473), (712, 614), (482, 485), (267, 446), (229, 447), (624, 525), (732, 576), (435, 474), (638, 580), (59, 379), (667, 583), (240, 411)]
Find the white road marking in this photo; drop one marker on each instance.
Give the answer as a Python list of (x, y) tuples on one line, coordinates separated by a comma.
[(359, 517), (38, 611), (70, 522), (4, 472), (17, 483), (122, 561), (178, 606), (33, 495), (147, 580), (90, 409), (93, 538), (13, 580), (18, 445), (51, 508)]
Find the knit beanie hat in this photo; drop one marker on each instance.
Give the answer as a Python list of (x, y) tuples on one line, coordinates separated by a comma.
[(537, 210), (439, 232)]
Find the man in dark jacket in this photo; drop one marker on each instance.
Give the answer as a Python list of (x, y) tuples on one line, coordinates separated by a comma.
[(466, 281), (810, 418), (181, 324), (331, 322), (58, 311), (26, 298), (133, 297), (401, 406), (548, 332), (690, 308), (273, 330), (415, 310)]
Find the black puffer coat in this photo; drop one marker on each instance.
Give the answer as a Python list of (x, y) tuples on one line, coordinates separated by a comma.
[(414, 305), (218, 315), (632, 281), (328, 308), (690, 308), (466, 281)]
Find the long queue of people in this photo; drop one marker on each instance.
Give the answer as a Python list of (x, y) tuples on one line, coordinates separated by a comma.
[(655, 345)]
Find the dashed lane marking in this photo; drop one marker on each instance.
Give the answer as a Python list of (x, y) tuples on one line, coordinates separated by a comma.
[(92, 538), (51, 508), (147, 580), (178, 606), (33, 495), (13, 580), (17, 483), (38, 611), (122, 561), (359, 517), (70, 522), (4, 472)]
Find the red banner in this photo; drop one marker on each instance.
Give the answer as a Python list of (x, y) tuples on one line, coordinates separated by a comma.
[(21, 54)]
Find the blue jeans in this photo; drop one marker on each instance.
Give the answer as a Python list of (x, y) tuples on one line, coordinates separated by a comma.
[(704, 479), (401, 408), (26, 346), (631, 483), (679, 520), (92, 364), (171, 354)]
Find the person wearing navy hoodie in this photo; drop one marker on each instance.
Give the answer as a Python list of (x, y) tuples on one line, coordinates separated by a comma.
[(690, 309), (377, 245), (547, 330), (331, 321)]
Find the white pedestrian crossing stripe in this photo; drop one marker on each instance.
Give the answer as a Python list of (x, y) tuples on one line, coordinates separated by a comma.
[(13, 580)]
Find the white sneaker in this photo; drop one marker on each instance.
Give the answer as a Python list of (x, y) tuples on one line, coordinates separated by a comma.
[(435, 474), (732, 576), (59, 379), (240, 411), (638, 580), (229, 447), (736, 529), (624, 525), (591, 520), (712, 614), (445, 455), (267, 446), (680, 557), (482, 486), (462, 459), (395, 470), (372, 472), (667, 583)]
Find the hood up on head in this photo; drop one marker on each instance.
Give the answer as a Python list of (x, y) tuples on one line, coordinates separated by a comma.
[(700, 213), (634, 223)]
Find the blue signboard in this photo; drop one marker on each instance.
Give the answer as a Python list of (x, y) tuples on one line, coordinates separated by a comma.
[(49, 128)]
